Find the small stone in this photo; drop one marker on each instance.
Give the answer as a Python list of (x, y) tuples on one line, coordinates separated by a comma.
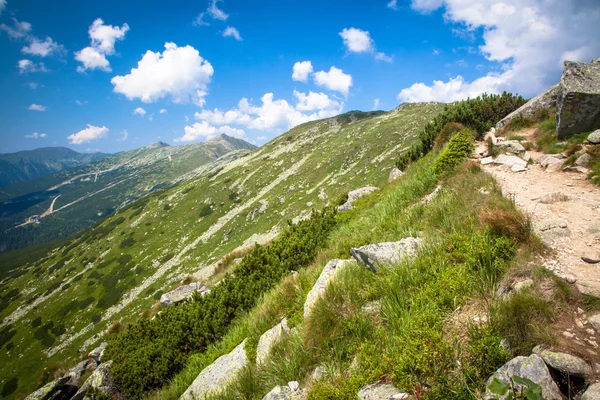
[(568, 335), (518, 168), (583, 160), (509, 161), (579, 323), (580, 311), (293, 385), (591, 258), (595, 321), (594, 137), (563, 362), (379, 391), (592, 392), (486, 160), (269, 339), (319, 372), (375, 255), (527, 156), (395, 173)]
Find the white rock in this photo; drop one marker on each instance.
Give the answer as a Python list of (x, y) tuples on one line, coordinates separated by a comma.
[(487, 160), (395, 173), (330, 270), (509, 161), (269, 338), (182, 293), (355, 195), (377, 254), (518, 168)]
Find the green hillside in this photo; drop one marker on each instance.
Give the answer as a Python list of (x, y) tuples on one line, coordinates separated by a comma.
[(58, 307), (69, 201)]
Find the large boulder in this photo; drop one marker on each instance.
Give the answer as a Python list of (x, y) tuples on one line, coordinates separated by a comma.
[(381, 391), (355, 195), (578, 102), (49, 390), (594, 137), (216, 376), (533, 107), (100, 380), (183, 293), (269, 338), (395, 173), (331, 269), (565, 363), (532, 368), (375, 255)]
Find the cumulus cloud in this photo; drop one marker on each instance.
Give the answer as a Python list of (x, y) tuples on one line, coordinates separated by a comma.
[(359, 41), (27, 66), (230, 31), (103, 39), (526, 38), (37, 107), (36, 135), (335, 79), (2, 5), (179, 72), (393, 4), (41, 48), (20, 29), (88, 134), (314, 101), (301, 70), (203, 130), (163, 110), (215, 12), (139, 111), (124, 136)]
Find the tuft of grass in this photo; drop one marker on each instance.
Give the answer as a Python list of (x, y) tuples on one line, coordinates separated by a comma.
[(507, 222)]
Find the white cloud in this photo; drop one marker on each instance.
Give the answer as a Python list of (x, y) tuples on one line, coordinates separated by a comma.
[(314, 101), (199, 21), (88, 134), (103, 38), (383, 57), (37, 107), (376, 104), (32, 85), (525, 37), (36, 135), (335, 79), (2, 5), (230, 31), (261, 138), (179, 72), (81, 103), (42, 48), (27, 66), (357, 41), (206, 131), (139, 111), (436, 52), (393, 4), (20, 29), (301, 71), (215, 12), (124, 137), (163, 110)]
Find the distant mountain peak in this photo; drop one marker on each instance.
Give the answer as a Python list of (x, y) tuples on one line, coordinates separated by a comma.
[(157, 145)]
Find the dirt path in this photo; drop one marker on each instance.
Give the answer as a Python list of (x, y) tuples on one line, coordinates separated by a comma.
[(50, 209), (577, 204)]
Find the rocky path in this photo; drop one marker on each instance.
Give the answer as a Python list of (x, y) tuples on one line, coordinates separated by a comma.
[(565, 210)]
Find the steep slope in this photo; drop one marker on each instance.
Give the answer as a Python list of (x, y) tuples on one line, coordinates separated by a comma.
[(58, 307), (31, 164), (65, 202)]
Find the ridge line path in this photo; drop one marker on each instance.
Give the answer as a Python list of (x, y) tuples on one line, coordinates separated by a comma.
[(581, 212)]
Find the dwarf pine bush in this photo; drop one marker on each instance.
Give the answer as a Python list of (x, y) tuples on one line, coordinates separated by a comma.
[(459, 149)]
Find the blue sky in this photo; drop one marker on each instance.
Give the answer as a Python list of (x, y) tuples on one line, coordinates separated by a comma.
[(111, 76)]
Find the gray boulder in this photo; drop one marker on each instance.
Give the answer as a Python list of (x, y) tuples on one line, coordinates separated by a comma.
[(355, 195), (100, 380), (552, 229), (96, 354), (532, 108), (563, 362), (511, 146), (395, 173), (75, 373), (269, 338), (583, 160), (216, 376), (381, 391), (285, 393), (592, 392), (533, 368), (578, 102), (49, 390), (375, 255), (509, 161), (331, 269), (183, 293), (595, 321), (594, 137)]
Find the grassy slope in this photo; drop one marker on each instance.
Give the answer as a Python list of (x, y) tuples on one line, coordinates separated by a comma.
[(130, 258)]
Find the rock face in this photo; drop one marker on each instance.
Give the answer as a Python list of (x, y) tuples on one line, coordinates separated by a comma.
[(533, 368), (100, 380), (216, 376), (592, 392), (96, 354), (269, 338), (381, 391), (332, 268), (183, 293), (530, 109), (355, 195), (75, 373), (594, 137), (48, 390), (395, 173), (565, 363), (376, 254), (578, 102)]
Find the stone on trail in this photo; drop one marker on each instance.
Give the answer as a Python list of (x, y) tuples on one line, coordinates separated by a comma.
[(532, 368), (509, 161), (355, 195), (592, 392), (563, 362), (269, 338), (552, 229), (578, 102), (487, 160), (594, 137), (331, 269), (595, 321), (375, 255), (216, 376), (183, 293), (518, 168), (583, 160), (395, 173), (381, 391), (511, 146)]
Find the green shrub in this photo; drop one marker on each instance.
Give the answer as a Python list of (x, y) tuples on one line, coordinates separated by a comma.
[(459, 149), (206, 210), (10, 386), (37, 321)]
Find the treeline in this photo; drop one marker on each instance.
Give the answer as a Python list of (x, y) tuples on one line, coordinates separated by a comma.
[(150, 352), (479, 114)]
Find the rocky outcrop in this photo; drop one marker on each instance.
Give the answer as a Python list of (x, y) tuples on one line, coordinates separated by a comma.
[(382, 391), (216, 376), (376, 255), (532, 368), (331, 269), (395, 173), (49, 390), (290, 392), (183, 293), (533, 107), (269, 338), (100, 380), (96, 354), (578, 102), (564, 363), (355, 195)]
